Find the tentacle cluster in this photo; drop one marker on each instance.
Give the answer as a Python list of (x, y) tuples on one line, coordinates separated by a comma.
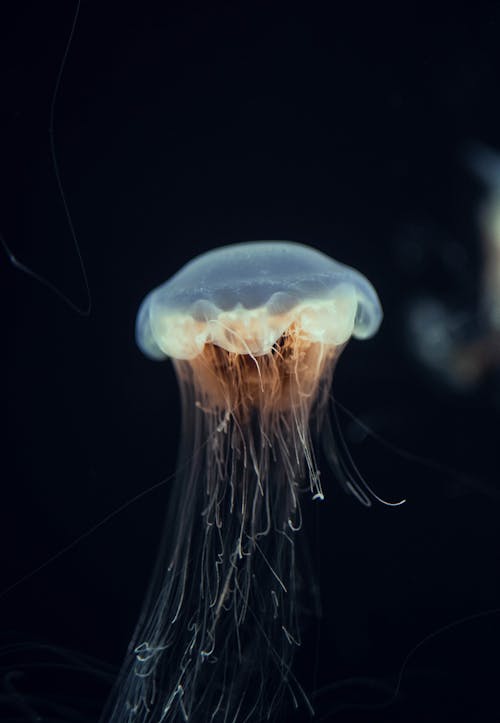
[(219, 627)]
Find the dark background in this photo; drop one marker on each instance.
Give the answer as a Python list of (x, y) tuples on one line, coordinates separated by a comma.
[(180, 130)]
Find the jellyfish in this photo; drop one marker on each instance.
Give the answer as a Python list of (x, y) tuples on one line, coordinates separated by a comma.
[(463, 347), (254, 331)]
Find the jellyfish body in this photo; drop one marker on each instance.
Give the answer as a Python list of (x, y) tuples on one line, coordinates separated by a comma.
[(254, 331)]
